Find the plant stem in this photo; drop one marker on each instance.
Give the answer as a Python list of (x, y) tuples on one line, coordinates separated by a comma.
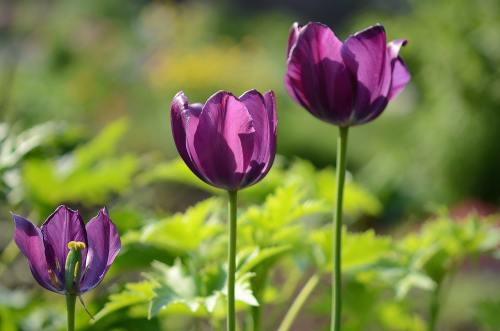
[(70, 307), (259, 283), (337, 231), (231, 311), (256, 317), (299, 301), (435, 307)]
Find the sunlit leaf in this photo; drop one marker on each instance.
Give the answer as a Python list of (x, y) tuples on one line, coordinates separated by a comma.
[(134, 293), (90, 174)]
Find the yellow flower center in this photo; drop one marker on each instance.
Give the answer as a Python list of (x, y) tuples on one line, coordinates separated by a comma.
[(76, 245)]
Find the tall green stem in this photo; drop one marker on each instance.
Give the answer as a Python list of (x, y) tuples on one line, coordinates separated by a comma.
[(299, 301), (231, 311), (70, 307), (435, 307), (337, 231)]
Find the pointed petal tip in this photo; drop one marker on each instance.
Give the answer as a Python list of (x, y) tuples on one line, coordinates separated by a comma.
[(217, 98), (179, 102), (22, 224), (270, 93), (180, 94), (64, 208), (104, 210), (250, 93), (369, 32)]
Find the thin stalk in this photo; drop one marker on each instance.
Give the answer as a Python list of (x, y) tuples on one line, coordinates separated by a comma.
[(258, 285), (435, 307), (70, 307), (231, 311), (298, 303), (337, 231), (256, 317)]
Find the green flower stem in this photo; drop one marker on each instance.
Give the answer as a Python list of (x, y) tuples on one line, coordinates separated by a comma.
[(70, 307), (435, 307), (298, 303), (256, 317), (259, 285), (337, 231), (231, 311)]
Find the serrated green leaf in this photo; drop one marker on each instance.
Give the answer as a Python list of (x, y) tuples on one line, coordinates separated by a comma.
[(177, 291)]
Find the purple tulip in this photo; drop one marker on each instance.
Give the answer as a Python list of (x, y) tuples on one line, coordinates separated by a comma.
[(228, 142), (346, 83), (64, 237)]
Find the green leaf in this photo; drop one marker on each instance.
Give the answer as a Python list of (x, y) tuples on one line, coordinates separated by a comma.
[(359, 250), (134, 294), (182, 232), (179, 291), (413, 280), (88, 175), (320, 185), (249, 259), (276, 221), (14, 146)]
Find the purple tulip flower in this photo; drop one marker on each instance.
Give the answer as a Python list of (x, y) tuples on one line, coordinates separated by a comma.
[(228, 142), (64, 237), (346, 83)]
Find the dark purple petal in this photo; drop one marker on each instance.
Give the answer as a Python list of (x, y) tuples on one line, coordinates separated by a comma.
[(292, 37), (366, 57), (400, 74), (262, 111), (270, 101), (317, 77), (224, 140), (104, 245), (29, 240), (63, 226), (254, 102), (184, 121)]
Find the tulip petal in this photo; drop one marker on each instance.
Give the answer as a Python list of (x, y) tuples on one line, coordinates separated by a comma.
[(400, 74), (316, 75), (262, 111), (366, 57), (104, 245), (28, 238), (254, 102), (63, 226), (184, 121), (224, 140), (270, 101)]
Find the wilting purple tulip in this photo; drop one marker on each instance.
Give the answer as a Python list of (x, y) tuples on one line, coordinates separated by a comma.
[(346, 83), (62, 237), (228, 142)]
